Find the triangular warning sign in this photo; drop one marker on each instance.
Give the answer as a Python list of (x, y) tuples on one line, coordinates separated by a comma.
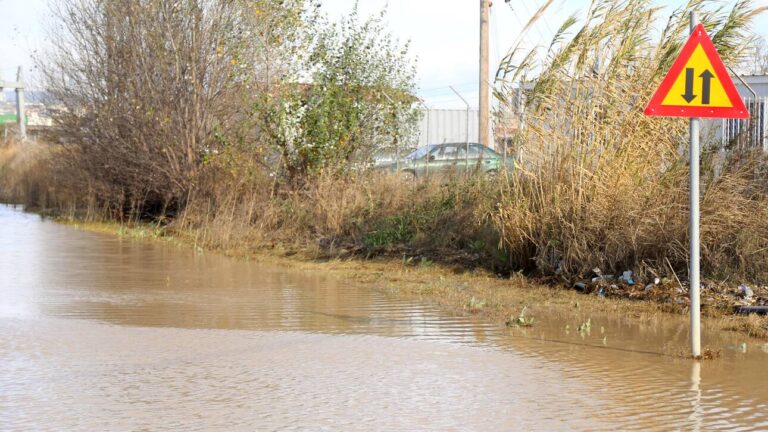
[(698, 84)]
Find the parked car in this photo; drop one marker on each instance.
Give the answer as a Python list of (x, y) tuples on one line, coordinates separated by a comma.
[(450, 159)]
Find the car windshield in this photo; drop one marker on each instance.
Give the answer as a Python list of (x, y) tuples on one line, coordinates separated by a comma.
[(420, 152)]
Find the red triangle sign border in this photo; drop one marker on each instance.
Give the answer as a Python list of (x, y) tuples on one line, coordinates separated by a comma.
[(698, 37)]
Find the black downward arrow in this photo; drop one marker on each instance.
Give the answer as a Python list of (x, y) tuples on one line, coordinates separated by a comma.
[(689, 96), (706, 77)]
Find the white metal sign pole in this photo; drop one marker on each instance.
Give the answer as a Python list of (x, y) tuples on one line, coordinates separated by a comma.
[(694, 231)]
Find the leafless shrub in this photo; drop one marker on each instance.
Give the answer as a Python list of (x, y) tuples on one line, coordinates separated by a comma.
[(148, 89)]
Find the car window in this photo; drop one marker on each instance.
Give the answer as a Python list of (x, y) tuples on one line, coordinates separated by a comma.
[(475, 152), (449, 152), (421, 151), (461, 151)]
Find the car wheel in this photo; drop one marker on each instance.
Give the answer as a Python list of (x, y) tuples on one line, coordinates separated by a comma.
[(492, 174)]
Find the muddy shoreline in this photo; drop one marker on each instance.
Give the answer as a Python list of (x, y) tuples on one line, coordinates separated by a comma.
[(477, 292)]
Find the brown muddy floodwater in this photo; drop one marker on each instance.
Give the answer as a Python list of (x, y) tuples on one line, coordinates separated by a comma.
[(105, 333)]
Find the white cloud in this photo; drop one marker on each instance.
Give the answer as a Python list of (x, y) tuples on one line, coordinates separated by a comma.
[(20, 34)]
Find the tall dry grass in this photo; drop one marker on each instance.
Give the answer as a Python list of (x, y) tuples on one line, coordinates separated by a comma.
[(35, 175), (24, 175), (603, 185), (365, 213)]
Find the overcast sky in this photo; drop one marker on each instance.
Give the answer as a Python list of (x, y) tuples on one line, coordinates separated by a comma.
[(444, 35)]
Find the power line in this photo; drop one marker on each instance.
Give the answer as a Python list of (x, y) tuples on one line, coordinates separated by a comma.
[(446, 87), (534, 24), (522, 38), (444, 98), (543, 18), (494, 24)]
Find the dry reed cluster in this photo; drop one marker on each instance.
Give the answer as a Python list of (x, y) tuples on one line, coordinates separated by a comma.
[(604, 186)]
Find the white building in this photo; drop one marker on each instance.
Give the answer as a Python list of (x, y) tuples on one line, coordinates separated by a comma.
[(438, 126)]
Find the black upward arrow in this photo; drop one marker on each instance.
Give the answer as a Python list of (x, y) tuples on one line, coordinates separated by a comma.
[(706, 76), (689, 96)]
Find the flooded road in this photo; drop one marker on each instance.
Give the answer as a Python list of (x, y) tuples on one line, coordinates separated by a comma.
[(106, 333)]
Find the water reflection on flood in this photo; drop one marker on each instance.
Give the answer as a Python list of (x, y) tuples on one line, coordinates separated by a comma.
[(98, 332)]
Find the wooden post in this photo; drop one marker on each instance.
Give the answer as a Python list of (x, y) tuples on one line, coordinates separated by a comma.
[(483, 127)]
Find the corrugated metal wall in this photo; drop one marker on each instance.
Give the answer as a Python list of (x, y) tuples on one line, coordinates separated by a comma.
[(447, 125), (751, 133)]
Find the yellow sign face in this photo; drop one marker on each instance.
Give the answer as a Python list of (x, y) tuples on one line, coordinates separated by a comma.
[(698, 85)]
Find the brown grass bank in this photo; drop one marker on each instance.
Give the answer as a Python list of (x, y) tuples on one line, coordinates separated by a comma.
[(457, 290)]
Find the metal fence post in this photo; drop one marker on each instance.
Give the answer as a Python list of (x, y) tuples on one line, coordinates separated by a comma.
[(426, 111), (466, 150)]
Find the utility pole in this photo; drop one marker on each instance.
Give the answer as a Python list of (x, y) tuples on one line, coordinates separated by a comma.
[(483, 127), (20, 104), (20, 115)]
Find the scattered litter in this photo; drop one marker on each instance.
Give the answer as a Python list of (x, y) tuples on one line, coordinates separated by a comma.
[(602, 278), (560, 266), (746, 292), (627, 277), (746, 310), (670, 290)]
